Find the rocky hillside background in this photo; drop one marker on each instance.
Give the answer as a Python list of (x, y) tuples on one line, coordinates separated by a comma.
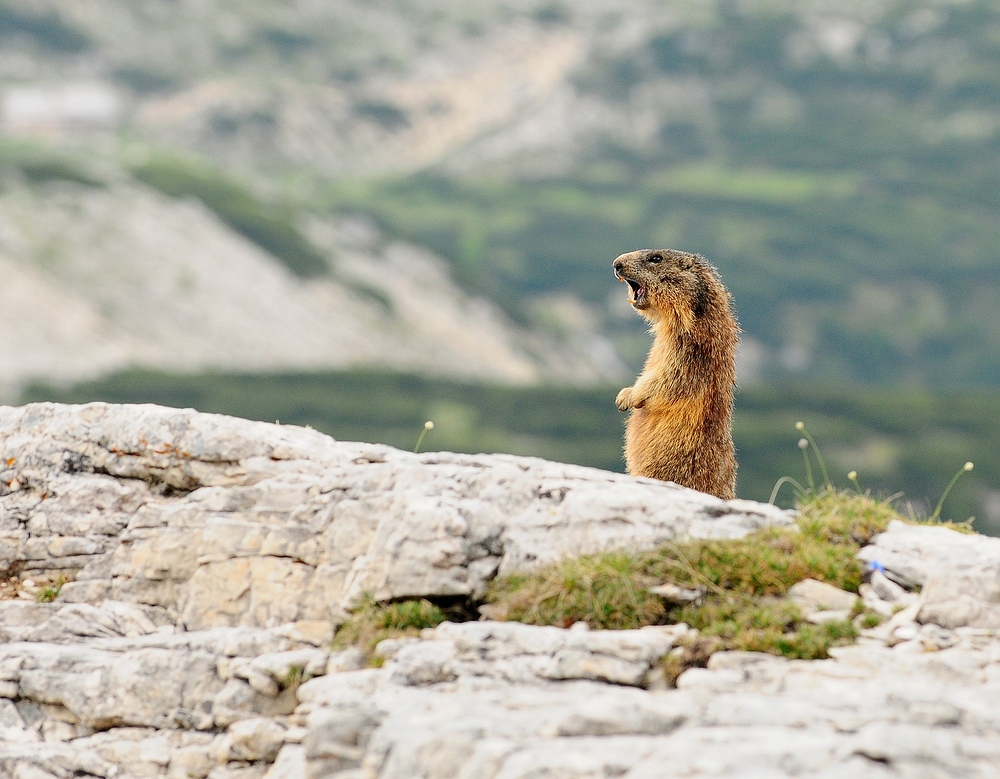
[(839, 164), (438, 189), (112, 274)]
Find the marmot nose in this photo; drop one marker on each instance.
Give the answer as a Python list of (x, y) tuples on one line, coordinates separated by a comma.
[(619, 264)]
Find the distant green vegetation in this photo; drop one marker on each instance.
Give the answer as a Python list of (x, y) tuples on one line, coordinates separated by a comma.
[(872, 287), (269, 225), (40, 164), (850, 201), (908, 441), (43, 169)]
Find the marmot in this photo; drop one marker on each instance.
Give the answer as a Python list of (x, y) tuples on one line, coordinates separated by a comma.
[(680, 428)]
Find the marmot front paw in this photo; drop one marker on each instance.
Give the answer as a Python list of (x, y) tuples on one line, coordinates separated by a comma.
[(626, 400)]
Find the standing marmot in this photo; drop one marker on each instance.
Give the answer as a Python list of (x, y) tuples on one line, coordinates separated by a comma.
[(680, 428)]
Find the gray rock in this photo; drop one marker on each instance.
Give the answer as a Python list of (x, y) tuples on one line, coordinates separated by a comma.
[(822, 617), (964, 597), (679, 595), (911, 553), (290, 763), (213, 558), (229, 522), (886, 589), (812, 595), (873, 602), (252, 740), (532, 654)]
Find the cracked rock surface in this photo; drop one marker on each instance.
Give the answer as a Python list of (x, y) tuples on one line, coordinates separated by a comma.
[(209, 560)]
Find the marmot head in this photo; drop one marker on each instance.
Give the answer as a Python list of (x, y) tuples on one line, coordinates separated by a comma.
[(663, 279)]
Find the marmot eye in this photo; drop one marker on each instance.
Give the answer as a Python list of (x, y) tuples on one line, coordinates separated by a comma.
[(656, 258)]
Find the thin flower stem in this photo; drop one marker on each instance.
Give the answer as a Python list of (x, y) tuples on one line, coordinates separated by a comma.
[(809, 472), (428, 425), (819, 455), (955, 478), (783, 481)]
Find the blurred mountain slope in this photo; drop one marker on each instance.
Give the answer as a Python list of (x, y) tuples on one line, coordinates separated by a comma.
[(838, 161), (101, 277)]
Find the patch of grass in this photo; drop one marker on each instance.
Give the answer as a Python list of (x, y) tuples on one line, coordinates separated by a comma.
[(294, 676), (965, 527), (50, 592), (607, 591), (372, 622), (870, 620), (845, 518), (767, 625), (745, 581), (766, 563)]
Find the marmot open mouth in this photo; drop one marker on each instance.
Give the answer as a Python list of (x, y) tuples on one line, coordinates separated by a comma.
[(637, 293)]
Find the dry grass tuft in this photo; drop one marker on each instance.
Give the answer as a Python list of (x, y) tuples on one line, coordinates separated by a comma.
[(372, 622), (744, 580)]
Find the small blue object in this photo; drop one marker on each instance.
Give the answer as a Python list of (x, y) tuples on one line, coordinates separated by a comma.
[(875, 565)]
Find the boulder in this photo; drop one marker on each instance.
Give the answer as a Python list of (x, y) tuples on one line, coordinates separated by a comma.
[(964, 597), (911, 553)]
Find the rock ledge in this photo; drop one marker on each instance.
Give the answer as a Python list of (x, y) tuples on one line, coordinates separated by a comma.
[(209, 560)]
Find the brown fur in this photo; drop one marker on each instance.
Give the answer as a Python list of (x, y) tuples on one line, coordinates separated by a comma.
[(680, 426)]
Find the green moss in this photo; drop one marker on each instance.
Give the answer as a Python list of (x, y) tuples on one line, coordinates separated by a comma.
[(294, 676), (766, 563), (610, 590), (767, 625), (844, 518), (50, 592), (871, 620), (372, 622)]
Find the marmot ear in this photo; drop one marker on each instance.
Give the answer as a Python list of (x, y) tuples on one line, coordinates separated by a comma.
[(686, 262)]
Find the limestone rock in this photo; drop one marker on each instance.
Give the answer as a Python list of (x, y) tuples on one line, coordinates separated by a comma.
[(966, 597), (228, 522), (812, 595), (253, 740), (886, 589), (532, 654), (213, 557), (911, 553)]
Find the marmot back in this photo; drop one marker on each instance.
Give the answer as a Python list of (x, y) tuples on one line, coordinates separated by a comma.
[(680, 426)]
